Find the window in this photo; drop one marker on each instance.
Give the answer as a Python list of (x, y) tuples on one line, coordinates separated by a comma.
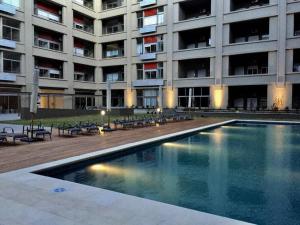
[(11, 62), (44, 43), (50, 73), (198, 97), (140, 71), (15, 3), (48, 15), (147, 98), (11, 29)]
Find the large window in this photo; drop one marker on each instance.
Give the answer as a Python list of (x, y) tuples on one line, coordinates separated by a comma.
[(11, 62), (147, 98), (150, 71), (151, 44), (150, 17), (11, 29), (198, 97)]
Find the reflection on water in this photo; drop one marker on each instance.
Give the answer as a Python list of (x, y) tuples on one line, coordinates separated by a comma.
[(242, 171)]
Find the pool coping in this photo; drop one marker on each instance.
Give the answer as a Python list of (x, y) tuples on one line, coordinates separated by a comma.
[(27, 177)]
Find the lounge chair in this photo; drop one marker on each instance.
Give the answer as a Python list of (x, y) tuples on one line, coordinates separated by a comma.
[(9, 132), (3, 138), (69, 130)]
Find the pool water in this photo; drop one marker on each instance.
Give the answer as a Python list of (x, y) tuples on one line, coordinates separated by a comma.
[(249, 172)]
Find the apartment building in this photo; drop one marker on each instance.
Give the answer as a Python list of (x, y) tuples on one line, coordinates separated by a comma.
[(217, 54)]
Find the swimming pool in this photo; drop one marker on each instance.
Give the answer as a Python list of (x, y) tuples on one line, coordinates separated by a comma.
[(245, 171)]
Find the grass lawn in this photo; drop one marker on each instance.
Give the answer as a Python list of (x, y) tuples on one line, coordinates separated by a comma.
[(70, 120)]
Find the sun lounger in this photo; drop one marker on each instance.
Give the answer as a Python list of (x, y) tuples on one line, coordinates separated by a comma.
[(69, 130), (10, 133)]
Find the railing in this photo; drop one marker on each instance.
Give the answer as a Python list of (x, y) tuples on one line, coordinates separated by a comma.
[(86, 28), (110, 4), (86, 3), (113, 29), (114, 53), (201, 75), (48, 44)]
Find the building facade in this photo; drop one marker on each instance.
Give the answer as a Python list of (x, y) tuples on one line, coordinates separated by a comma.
[(216, 54)]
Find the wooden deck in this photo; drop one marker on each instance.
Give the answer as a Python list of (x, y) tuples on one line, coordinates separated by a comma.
[(26, 155)]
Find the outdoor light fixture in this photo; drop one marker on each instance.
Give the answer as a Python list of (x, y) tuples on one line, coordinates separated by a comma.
[(103, 112), (158, 110)]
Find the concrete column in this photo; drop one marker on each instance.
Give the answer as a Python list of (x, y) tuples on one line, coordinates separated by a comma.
[(176, 70), (169, 43), (226, 34), (1, 25), (212, 67), (290, 25), (213, 7), (213, 36), (272, 63), (128, 51), (219, 42), (176, 12), (273, 28), (281, 42), (28, 40), (176, 41), (225, 66), (1, 61), (289, 61), (227, 5)]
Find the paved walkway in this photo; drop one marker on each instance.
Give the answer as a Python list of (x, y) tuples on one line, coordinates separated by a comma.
[(25, 155)]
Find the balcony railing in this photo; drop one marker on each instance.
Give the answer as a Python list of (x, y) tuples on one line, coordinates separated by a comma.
[(84, 27), (111, 4), (250, 70), (83, 52), (114, 53), (113, 77), (85, 3), (47, 15), (50, 73), (144, 3), (113, 29), (7, 43), (43, 43), (8, 8), (78, 76)]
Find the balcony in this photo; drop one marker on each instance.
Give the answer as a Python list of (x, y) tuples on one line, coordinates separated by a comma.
[(113, 49), (249, 31), (49, 68), (148, 83), (246, 4), (7, 8), (111, 4), (145, 3), (83, 22), (48, 11), (84, 73), (83, 48), (147, 56), (113, 73), (113, 25), (148, 29), (197, 38), (85, 3), (194, 9), (8, 77), (7, 43), (194, 68), (248, 64), (47, 39)]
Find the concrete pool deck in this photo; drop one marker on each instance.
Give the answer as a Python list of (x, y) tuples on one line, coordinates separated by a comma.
[(30, 199)]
